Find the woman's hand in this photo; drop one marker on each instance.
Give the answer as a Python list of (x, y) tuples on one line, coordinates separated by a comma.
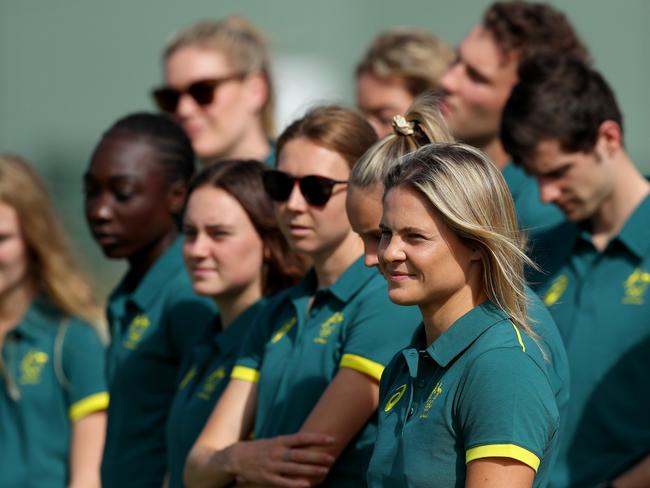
[(281, 461)]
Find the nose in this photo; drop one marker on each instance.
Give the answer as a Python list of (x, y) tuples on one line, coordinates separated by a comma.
[(99, 209), (186, 106), (196, 247), (389, 249), (296, 202), (549, 191), (370, 249), (449, 80)]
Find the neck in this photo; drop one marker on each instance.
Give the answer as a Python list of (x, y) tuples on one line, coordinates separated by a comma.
[(439, 316), (13, 305), (630, 189), (141, 261), (233, 305), (252, 145), (496, 152), (329, 264)]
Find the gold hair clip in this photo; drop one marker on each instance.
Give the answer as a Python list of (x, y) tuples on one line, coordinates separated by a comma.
[(403, 126)]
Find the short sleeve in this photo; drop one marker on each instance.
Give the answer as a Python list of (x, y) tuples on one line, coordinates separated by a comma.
[(251, 354), (378, 330), (507, 408), (83, 358)]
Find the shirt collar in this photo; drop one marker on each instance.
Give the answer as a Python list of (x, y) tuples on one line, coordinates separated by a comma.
[(233, 336), (458, 337), (635, 233), (353, 279), (41, 313), (163, 270)]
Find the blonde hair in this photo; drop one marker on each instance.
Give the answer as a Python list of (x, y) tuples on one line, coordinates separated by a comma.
[(244, 46), (422, 124), (469, 193), (413, 55), (53, 269)]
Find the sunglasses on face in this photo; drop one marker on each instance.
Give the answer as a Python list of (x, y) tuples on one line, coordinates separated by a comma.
[(201, 91), (316, 190)]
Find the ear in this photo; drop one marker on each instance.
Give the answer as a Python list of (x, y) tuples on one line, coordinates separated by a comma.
[(176, 197), (257, 91), (610, 138)]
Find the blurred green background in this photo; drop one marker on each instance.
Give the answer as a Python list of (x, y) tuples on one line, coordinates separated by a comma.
[(69, 68)]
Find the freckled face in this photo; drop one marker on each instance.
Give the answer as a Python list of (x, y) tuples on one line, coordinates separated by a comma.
[(364, 207), (14, 263), (222, 250), (380, 100), (128, 200), (313, 230), (424, 262), (475, 88)]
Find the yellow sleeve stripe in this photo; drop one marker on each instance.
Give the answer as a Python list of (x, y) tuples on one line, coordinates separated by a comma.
[(363, 365), (91, 404), (504, 451), (247, 374), (521, 343)]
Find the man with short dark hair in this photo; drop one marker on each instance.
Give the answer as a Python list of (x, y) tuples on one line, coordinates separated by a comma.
[(477, 85), (563, 125)]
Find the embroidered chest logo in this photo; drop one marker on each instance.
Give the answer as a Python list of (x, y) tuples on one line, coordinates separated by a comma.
[(136, 331), (31, 367), (327, 327), (395, 398), (636, 286), (211, 383), (282, 331), (435, 393), (187, 378), (555, 291)]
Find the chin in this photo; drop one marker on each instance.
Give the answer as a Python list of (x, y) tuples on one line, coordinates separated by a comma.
[(398, 297)]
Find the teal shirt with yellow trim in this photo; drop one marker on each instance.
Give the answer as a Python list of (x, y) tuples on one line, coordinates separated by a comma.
[(152, 328), (601, 304), (532, 214), (38, 405), (204, 376), (295, 352), (480, 390)]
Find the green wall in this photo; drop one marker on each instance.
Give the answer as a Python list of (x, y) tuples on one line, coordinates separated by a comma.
[(69, 68)]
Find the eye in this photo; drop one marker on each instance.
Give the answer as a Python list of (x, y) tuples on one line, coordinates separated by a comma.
[(189, 233), (123, 195)]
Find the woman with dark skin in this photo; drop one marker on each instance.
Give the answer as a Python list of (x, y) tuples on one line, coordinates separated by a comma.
[(135, 187)]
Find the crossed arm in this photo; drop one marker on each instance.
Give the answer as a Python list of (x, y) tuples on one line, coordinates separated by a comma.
[(220, 456)]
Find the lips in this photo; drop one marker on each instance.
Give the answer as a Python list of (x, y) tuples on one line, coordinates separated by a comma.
[(106, 239), (398, 276)]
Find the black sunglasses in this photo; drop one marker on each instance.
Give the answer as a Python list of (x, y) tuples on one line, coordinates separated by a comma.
[(316, 190), (201, 91)]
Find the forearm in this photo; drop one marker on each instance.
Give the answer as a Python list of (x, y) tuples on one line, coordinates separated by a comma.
[(207, 468), (636, 477)]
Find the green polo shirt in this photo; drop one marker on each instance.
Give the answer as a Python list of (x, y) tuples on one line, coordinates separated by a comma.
[(480, 390), (38, 405), (295, 353), (601, 303), (152, 327), (532, 214), (204, 377)]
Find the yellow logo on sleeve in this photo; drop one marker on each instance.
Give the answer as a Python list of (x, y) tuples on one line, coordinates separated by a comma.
[(282, 331), (395, 398), (211, 383), (136, 331), (636, 286), (556, 290), (435, 393), (327, 327), (187, 378), (31, 367)]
